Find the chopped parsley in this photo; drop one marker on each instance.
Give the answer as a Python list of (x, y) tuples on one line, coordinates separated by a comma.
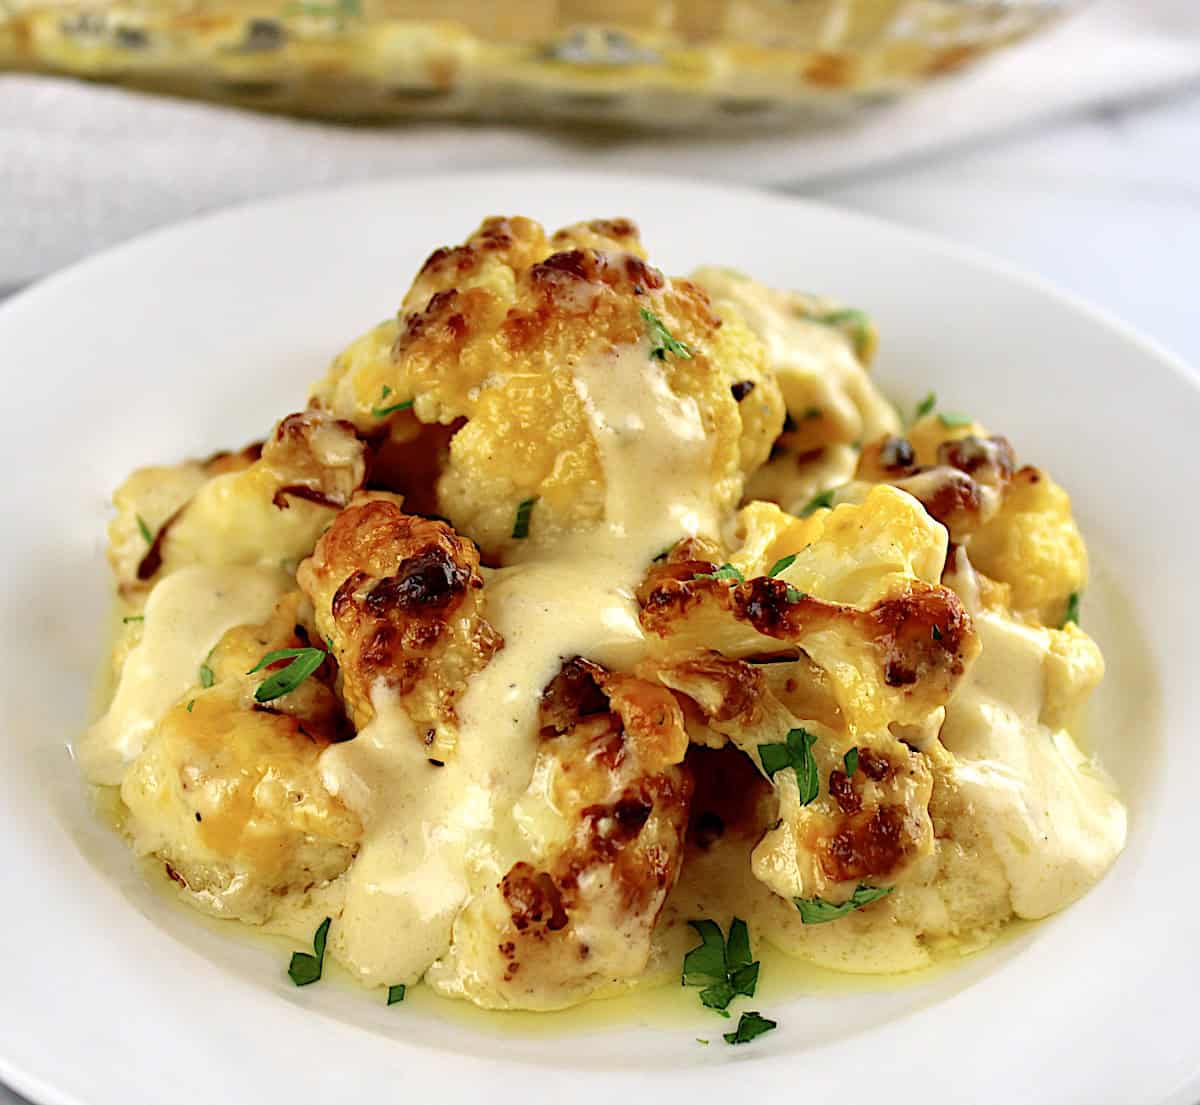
[(725, 571), (134, 618), (304, 661), (855, 324), (749, 1027), (190, 705), (952, 420), (206, 675), (795, 751), (936, 633), (396, 994), (383, 411), (144, 530), (817, 911), (520, 528), (822, 500), (925, 406), (701, 1040), (305, 968), (782, 565), (850, 762), (662, 341), (724, 968), (1072, 614), (794, 594)]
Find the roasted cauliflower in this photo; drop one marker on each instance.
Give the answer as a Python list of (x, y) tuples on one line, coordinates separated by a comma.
[(584, 604)]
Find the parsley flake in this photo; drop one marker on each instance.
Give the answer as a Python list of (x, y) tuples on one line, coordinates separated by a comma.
[(795, 751), (190, 705), (206, 675), (520, 528), (725, 571), (305, 968), (396, 994), (794, 594), (749, 1027), (782, 565), (662, 341), (133, 618), (823, 500), (1072, 614), (850, 762), (817, 911), (382, 411), (724, 968), (144, 530), (304, 661), (925, 406), (701, 1040), (952, 420)]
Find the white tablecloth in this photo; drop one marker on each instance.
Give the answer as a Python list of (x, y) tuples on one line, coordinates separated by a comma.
[(84, 166)]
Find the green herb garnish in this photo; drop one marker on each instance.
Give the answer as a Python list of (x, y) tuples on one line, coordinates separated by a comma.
[(725, 571), (794, 594), (850, 762), (925, 406), (662, 341), (817, 911), (701, 1040), (304, 661), (134, 618), (952, 420), (749, 1027), (795, 751), (396, 994), (305, 968), (782, 565), (206, 675), (823, 499), (520, 528), (724, 968), (190, 705), (382, 411), (1072, 614), (144, 529)]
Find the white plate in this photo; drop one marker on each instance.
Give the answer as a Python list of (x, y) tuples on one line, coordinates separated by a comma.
[(199, 336)]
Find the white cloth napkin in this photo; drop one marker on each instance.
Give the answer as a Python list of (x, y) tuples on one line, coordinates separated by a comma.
[(83, 166)]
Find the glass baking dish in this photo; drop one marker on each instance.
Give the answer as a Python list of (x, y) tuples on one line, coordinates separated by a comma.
[(650, 63)]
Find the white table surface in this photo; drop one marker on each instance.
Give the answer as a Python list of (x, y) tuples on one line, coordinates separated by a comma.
[(1106, 206)]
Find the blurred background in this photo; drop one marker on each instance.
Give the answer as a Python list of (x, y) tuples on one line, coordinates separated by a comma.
[(1061, 135)]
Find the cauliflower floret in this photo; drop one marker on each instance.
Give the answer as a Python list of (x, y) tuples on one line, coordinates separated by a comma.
[(229, 794), (399, 599), (267, 505), (1034, 545), (818, 351), (488, 338), (859, 600), (1015, 523), (574, 918)]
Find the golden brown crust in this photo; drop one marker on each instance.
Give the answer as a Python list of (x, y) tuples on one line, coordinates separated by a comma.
[(400, 598)]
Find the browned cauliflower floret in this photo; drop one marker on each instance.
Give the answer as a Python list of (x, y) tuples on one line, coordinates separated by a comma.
[(495, 335), (399, 599), (1016, 524), (227, 791), (260, 505), (576, 917), (854, 589)]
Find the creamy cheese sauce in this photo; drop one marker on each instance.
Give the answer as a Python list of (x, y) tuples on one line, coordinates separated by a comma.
[(186, 614), (434, 835), (1051, 814)]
